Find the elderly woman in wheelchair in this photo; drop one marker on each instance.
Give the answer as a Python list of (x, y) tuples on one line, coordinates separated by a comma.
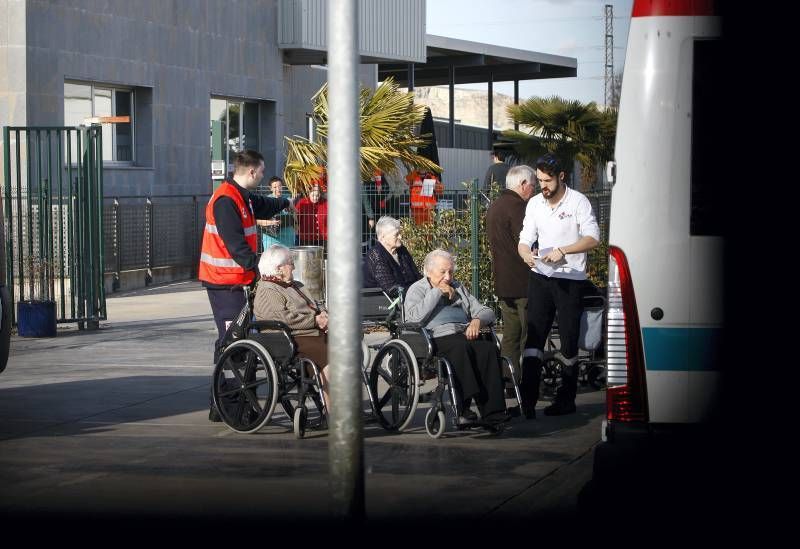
[(273, 352), (455, 320)]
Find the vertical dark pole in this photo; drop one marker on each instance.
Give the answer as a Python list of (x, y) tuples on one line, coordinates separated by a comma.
[(88, 199), (9, 281), (30, 212), (452, 126), (40, 217), (411, 77), (516, 101), (149, 209), (79, 228), (101, 265), (491, 111), (50, 244), (474, 228), (20, 264), (61, 254), (73, 272)]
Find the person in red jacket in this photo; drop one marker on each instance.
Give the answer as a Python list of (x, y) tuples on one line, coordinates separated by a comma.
[(228, 257), (312, 219)]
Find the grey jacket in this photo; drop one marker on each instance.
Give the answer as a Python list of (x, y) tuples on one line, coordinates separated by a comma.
[(423, 302)]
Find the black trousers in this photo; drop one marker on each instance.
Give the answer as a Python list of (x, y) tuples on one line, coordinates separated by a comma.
[(476, 365), (226, 304), (546, 296)]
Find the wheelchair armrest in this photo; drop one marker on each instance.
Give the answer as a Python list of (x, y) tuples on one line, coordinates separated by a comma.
[(413, 326), (271, 325)]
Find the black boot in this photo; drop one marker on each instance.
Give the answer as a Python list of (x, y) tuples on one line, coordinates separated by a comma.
[(529, 388), (564, 403)]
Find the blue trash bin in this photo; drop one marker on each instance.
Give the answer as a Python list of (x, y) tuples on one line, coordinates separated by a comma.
[(36, 318)]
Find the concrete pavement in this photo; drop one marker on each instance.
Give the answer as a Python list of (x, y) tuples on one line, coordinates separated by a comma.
[(114, 422)]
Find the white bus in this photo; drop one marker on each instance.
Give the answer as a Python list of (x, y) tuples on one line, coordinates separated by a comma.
[(665, 291)]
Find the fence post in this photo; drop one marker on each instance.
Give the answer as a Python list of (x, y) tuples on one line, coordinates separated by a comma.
[(117, 240), (148, 279), (474, 227)]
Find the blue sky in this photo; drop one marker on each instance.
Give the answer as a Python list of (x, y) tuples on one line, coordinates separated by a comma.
[(561, 27)]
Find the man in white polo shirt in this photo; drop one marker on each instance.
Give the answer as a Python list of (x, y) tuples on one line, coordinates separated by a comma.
[(562, 221)]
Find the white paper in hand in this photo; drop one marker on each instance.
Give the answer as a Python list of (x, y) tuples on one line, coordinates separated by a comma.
[(547, 269), (427, 187)]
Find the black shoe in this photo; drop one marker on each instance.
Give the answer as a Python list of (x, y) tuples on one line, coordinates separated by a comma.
[(560, 408), (469, 415), (529, 411), (497, 418), (213, 415), (514, 411)]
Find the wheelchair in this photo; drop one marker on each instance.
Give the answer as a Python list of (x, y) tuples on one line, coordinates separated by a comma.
[(255, 371), (591, 362), (395, 377)]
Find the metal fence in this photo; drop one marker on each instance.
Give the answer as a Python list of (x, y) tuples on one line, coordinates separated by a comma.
[(53, 184), (153, 232), (166, 231)]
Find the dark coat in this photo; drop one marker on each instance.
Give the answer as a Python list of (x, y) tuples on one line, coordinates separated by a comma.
[(504, 223), (381, 270)]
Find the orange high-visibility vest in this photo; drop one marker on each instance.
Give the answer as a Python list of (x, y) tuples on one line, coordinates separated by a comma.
[(217, 266)]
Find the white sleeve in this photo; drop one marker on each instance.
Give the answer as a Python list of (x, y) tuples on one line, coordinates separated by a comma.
[(529, 233), (587, 224)]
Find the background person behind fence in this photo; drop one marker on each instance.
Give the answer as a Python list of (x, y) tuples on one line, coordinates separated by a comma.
[(496, 173), (563, 222), (312, 219), (388, 263), (228, 257), (503, 224), (279, 229)]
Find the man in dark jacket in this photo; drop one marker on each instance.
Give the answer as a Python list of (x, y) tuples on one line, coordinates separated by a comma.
[(228, 257), (503, 223)]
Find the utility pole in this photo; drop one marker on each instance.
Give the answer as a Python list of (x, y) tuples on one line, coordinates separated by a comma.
[(345, 441), (609, 73)]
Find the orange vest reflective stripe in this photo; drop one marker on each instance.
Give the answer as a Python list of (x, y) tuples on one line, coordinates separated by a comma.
[(216, 264)]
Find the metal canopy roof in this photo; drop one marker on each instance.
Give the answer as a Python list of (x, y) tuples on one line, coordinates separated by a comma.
[(475, 62)]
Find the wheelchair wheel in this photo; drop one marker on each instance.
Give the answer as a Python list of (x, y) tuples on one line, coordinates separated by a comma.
[(394, 385), (435, 423), (244, 386), (299, 421)]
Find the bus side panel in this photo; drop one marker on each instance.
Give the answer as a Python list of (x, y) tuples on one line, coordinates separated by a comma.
[(649, 213)]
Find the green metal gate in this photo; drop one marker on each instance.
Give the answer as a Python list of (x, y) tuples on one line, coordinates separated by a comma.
[(53, 206)]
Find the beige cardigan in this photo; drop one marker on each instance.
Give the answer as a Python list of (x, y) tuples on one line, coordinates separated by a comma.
[(274, 302)]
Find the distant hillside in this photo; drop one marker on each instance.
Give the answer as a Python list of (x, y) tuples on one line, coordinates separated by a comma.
[(471, 106)]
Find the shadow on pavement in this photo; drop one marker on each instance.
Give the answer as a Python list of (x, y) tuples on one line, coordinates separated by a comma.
[(85, 405)]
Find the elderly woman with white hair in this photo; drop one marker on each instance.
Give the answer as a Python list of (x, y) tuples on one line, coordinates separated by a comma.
[(454, 318), (388, 263), (280, 297)]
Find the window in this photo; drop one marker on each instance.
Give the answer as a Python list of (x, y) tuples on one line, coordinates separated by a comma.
[(708, 119), (234, 128), (85, 101)]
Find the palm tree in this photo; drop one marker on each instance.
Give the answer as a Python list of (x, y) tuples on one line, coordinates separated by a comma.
[(388, 120), (571, 130)]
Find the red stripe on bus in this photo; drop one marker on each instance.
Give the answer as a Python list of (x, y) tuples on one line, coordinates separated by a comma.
[(655, 8)]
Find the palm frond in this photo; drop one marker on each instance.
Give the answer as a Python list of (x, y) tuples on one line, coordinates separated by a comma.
[(389, 124)]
